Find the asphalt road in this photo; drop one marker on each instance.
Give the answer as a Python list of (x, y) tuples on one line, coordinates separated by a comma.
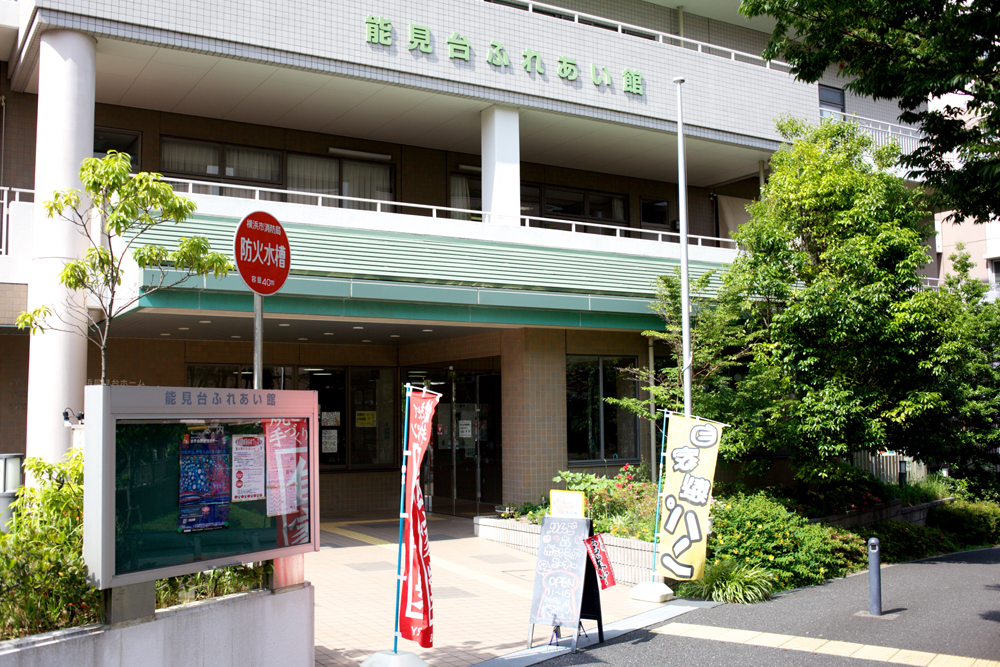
[(949, 604)]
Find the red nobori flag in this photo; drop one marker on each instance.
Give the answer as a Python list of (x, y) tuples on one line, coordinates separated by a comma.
[(602, 562), (416, 609)]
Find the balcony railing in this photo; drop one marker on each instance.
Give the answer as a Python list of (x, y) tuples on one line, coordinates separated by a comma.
[(880, 131), (185, 186), (7, 197), (622, 232), (644, 33)]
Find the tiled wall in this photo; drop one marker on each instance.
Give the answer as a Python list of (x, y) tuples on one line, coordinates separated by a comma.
[(13, 301)]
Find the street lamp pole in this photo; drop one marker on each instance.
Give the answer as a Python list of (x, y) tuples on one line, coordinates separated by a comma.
[(683, 215)]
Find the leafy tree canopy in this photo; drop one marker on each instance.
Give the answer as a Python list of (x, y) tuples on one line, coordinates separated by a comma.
[(126, 207), (911, 50)]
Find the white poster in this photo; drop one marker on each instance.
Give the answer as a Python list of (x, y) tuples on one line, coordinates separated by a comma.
[(248, 468), (465, 428), (330, 418), (329, 442)]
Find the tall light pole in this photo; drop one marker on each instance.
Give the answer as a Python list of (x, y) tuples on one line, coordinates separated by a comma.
[(683, 215)]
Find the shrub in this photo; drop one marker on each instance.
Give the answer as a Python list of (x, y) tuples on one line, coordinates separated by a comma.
[(972, 524), (727, 581), (623, 506), (901, 541), (758, 531), (43, 580)]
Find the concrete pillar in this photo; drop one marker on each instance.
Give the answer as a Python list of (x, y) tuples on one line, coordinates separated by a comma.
[(502, 165), (57, 362)]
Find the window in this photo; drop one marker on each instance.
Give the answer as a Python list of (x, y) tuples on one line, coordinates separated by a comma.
[(831, 100), (467, 193), (122, 141), (201, 160), (330, 384), (373, 416), (595, 429), (655, 213), (234, 376), (366, 180)]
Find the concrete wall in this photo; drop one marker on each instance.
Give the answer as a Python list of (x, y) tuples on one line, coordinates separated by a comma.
[(256, 629)]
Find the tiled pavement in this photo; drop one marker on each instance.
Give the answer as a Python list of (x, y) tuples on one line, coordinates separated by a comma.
[(482, 592)]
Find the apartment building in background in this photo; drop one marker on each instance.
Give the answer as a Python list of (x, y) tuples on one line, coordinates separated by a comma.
[(479, 196)]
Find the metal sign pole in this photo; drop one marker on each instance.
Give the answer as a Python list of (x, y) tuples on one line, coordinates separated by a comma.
[(683, 215), (258, 341)]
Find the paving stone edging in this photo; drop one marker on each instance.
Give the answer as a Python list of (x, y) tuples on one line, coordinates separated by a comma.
[(631, 560)]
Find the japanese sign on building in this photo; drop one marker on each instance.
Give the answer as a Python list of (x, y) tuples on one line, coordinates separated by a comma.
[(378, 31), (692, 449)]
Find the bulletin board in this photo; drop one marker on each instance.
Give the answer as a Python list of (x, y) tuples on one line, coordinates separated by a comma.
[(188, 479)]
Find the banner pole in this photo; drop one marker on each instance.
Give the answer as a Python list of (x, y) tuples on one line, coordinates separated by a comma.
[(659, 487), (402, 510)]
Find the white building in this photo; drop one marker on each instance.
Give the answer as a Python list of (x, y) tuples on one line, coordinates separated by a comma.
[(529, 155)]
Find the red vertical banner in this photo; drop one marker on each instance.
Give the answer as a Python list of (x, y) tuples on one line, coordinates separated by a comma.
[(287, 445), (416, 608), (601, 560)]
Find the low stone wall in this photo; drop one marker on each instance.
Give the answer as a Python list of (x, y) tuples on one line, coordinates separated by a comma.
[(255, 629), (631, 560), (894, 511)]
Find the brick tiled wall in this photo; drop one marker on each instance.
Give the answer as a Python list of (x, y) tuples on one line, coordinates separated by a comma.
[(13, 301)]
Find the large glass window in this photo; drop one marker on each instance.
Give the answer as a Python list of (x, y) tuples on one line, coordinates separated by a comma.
[(467, 193), (373, 416), (236, 376), (595, 429), (202, 159), (366, 180), (331, 386), (539, 201)]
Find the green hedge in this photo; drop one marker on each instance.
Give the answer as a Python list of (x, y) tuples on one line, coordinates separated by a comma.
[(901, 541), (971, 523), (757, 530)]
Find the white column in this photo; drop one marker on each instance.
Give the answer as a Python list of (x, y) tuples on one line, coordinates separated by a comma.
[(57, 365), (502, 165)]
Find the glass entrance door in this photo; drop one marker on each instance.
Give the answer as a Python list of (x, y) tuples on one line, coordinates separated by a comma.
[(464, 471)]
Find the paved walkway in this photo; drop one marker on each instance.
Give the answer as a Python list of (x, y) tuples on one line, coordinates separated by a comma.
[(482, 592), (939, 612)]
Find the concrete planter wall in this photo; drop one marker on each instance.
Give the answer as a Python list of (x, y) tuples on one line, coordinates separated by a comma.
[(894, 510), (255, 629), (631, 560)]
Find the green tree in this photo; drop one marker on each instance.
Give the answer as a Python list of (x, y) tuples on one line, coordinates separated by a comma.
[(911, 50), (828, 276), (125, 207)]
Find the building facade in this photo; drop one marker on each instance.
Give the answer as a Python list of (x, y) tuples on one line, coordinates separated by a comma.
[(479, 196)]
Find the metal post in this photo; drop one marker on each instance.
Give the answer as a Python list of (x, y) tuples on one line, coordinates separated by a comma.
[(874, 577), (683, 215), (258, 341), (652, 410), (659, 489), (402, 512)]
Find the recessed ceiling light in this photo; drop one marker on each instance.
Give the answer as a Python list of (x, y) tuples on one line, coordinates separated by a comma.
[(393, 335), (366, 341), (303, 339), (183, 328), (234, 336), (327, 333), (164, 334), (359, 327), (284, 324), (204, 321), (428, 330)]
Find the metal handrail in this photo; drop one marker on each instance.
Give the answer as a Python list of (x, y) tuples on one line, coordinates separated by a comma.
[(620, 231), (320, 198), (645, 33), (891, 128)]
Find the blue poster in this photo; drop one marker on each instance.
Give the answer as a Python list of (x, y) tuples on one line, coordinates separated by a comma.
[(205, 480)]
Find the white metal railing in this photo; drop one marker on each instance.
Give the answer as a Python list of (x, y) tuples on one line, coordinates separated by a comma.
[(644, 33), (880, 131), (217, 189), (620, 231), (7, 197)]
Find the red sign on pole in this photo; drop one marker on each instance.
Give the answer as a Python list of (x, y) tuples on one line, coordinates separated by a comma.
[(601, 560), (262, 253), (416, 611)]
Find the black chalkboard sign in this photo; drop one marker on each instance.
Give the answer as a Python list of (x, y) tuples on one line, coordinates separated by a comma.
[(566, 587)]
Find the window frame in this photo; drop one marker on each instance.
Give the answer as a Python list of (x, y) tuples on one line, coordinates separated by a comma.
[(222, 178), (600, 374), (825, 106), (137, 158)]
